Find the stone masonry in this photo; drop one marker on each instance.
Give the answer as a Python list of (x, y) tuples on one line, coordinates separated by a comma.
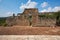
[(30, 17)]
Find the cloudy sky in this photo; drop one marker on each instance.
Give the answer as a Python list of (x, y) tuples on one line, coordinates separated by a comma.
[(8, 7)]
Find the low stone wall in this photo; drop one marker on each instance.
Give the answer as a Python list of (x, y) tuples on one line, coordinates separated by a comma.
[(46, 22)]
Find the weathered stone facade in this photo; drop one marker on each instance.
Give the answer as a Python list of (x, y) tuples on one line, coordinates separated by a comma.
[(30, 17)]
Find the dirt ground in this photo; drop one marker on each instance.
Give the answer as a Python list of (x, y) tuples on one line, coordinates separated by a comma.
[(29, 37), (27, 30)]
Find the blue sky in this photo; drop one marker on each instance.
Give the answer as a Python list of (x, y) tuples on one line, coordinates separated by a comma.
[(8, 7)]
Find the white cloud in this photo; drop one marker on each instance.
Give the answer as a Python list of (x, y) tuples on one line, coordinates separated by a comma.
[(55, 9), (29, 4), (47, 10), (6, 14), (44, 4), (50, 9), (44, 10), (9, 13)]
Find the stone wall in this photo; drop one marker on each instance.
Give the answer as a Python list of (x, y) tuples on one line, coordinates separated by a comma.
[(46, 22), (34, 14), (25, 20)]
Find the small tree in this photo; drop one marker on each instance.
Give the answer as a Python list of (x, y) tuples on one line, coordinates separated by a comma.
[(58, 18)]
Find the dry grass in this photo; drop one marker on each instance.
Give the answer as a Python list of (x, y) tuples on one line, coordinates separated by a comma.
[(25, 30)]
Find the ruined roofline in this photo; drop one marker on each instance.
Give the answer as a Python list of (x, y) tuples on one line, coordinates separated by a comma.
[(19, 14), (31, 8), (49, 12)]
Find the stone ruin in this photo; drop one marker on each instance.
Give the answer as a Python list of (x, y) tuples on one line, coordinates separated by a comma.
[(30, 17)]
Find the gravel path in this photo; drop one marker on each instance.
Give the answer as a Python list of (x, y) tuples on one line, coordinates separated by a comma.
[(29, 37)]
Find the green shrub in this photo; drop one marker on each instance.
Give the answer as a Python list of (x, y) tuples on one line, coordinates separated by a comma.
[(2, 21), (4, 24)]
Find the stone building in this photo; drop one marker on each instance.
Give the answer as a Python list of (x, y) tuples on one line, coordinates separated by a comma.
[(30, 17)]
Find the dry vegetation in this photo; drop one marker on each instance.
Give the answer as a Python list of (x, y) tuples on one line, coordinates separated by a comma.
[(23, 30)]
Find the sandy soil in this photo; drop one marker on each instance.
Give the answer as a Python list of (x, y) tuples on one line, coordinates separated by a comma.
[(26, 30)]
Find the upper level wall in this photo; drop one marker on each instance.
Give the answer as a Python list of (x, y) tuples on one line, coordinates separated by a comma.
[(34, 14)]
